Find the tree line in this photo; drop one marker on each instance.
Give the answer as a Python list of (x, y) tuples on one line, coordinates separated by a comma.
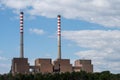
[(105, 75)]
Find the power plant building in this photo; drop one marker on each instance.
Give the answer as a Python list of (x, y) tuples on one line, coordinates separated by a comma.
[(46, 65), (20, 65), (83, 65), (63, 65)]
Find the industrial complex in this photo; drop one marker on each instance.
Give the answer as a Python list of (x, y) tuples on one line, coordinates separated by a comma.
[(46, 65)]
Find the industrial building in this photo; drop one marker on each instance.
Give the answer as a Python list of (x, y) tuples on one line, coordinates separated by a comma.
[(46, 65), (84, 65)]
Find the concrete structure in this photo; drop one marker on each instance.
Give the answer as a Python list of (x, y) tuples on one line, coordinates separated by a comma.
[(59, 36), (84, 65), (21, 36), (44, 65), (62, 65), (20, 65), (76, 68)]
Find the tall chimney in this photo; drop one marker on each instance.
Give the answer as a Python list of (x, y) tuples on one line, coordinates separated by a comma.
[(59, 37), (21, 36)]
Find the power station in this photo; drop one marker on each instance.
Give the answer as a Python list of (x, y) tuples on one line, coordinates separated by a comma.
[(46, 65)]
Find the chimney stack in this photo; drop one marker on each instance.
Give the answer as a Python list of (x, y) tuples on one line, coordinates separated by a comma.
[(21, 36), (59, 36)]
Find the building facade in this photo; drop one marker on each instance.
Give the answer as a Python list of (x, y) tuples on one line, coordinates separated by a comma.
[(84, 65), (20, 65), (45, 65)]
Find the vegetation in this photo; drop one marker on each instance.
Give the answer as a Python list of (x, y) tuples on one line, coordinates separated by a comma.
[(105, 75)]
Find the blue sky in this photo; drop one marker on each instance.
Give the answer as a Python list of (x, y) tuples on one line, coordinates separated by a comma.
[(90, 30)]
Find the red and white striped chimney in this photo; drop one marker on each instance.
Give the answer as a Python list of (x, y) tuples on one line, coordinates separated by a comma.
[(21, 36), (59, 36)]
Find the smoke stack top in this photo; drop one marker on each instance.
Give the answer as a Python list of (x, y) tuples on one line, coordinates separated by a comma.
[(59, 37), (59, 25), (21, 36), (21, 22)]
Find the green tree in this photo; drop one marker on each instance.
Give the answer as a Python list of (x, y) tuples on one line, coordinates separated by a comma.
[(1, 77), (105, 75)]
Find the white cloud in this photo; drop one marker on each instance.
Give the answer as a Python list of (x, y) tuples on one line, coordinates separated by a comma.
[(36, 31), (3, 58), (1, 8), (4, 68), (17, 4), (104, 12), (5, 65), (32, 61), (47, 55), (101, 46)]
